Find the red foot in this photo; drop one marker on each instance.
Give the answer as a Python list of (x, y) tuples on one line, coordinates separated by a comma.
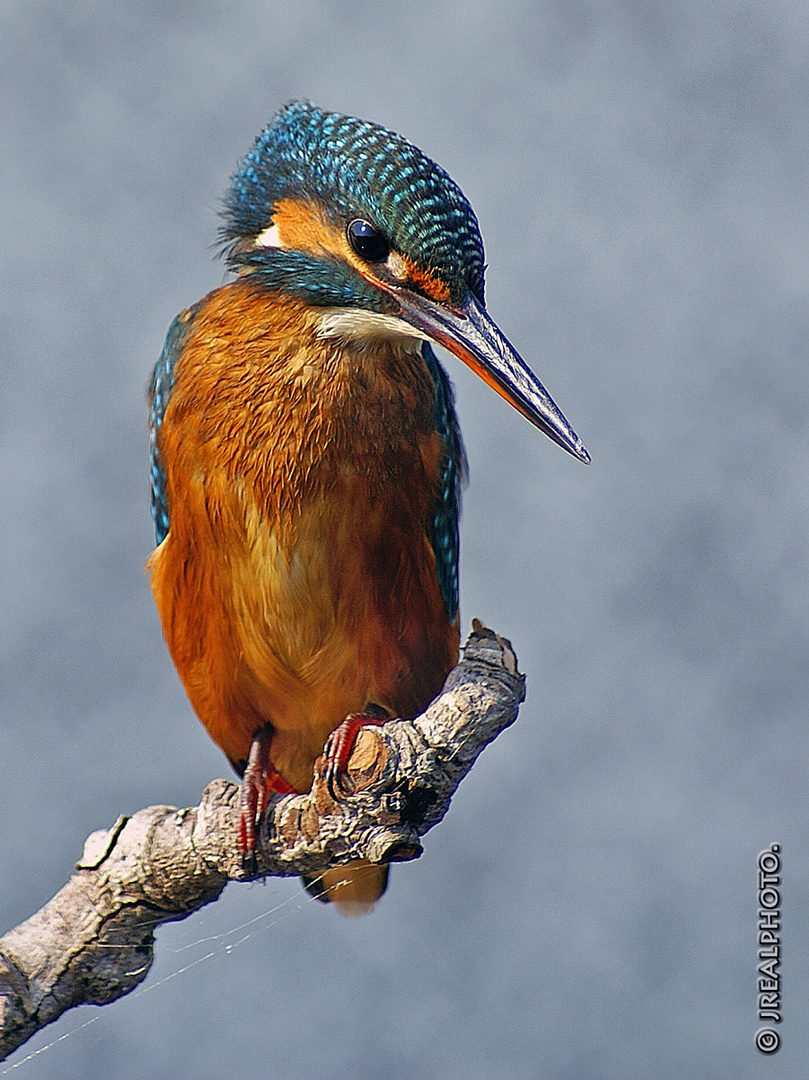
[(339, 747), (260, 779)]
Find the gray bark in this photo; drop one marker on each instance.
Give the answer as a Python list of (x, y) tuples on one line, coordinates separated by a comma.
[(93, 942)]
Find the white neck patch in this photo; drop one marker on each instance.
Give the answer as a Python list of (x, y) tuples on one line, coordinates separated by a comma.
[(354, 324)]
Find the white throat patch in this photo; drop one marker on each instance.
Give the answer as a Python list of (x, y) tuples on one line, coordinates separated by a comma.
[(354, 324)]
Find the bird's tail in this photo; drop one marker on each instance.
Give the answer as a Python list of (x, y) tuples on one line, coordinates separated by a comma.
[(353, 888)]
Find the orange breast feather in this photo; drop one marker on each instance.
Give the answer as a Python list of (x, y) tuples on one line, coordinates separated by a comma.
[(297, 582)]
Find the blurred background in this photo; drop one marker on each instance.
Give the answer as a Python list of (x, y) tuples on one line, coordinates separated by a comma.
[(588, 908)]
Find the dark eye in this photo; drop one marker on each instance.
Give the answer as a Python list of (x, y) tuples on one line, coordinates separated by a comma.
[(368, 242)]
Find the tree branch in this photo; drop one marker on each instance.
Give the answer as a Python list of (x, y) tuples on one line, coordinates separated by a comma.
[(93, 942)]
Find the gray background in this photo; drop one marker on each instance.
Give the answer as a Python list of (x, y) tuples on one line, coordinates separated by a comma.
[(588, 907)]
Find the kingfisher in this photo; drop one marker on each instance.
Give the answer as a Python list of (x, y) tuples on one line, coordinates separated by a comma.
[(306, 460)]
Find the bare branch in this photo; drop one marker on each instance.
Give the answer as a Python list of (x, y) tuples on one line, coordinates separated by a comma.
[(93, 942)]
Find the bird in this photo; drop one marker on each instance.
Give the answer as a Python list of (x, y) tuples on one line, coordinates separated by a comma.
[(306, 458)]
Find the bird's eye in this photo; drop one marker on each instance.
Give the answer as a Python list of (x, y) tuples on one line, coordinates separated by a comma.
[(370, 244)]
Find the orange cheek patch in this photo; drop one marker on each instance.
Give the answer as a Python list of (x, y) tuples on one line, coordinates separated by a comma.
[(304, 227)]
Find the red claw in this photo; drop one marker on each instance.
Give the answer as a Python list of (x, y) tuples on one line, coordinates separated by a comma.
[(340, 744), (260, 780)]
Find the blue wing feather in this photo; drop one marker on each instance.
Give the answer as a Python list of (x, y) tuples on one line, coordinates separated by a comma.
[(159, 392), (444, 526)]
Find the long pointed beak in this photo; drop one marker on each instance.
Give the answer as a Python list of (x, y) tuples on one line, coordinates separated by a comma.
[(473, 337)]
